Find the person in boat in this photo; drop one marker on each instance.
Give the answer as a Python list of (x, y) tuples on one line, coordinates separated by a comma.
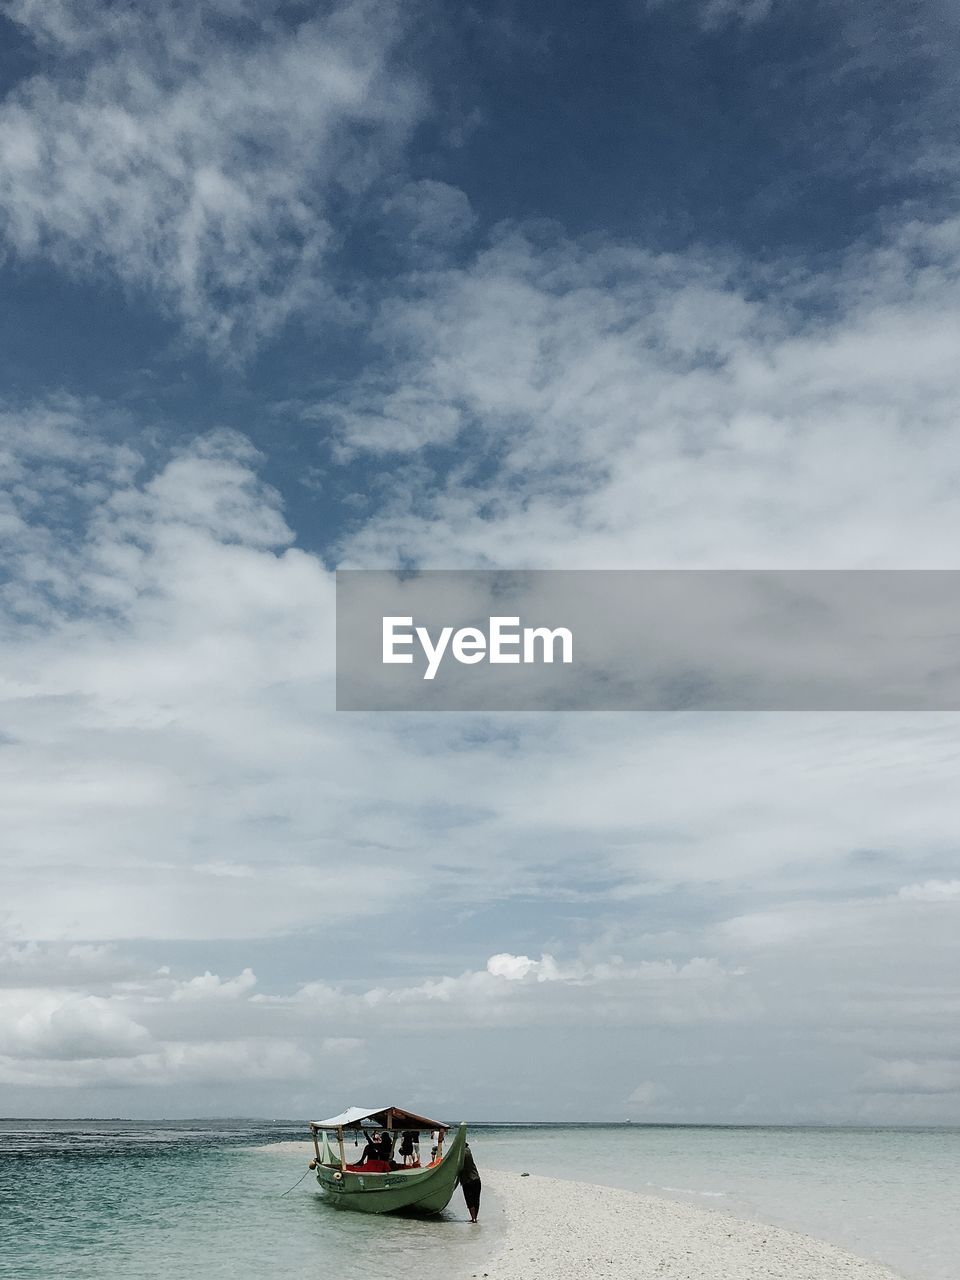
[(379, 1148), (470, 1185), (410, 1148)]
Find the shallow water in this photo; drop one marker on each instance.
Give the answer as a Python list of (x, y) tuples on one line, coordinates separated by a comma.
[(105, 1200)]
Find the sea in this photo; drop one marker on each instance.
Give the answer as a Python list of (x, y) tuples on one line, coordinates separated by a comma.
[(112, 1199)]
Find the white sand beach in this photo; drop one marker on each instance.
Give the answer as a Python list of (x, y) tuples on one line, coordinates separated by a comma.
[(554, 1229), (559, 1230), (297, 1150)]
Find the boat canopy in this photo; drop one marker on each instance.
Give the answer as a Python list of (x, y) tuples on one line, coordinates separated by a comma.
[(387, 1117)]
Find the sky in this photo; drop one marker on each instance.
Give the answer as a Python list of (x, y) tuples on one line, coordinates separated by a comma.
[(287, 287)]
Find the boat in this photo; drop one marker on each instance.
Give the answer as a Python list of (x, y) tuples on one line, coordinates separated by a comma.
[(388, 1187)]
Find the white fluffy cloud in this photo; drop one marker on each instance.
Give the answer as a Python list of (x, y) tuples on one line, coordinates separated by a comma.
[(156, 1028), (68, 1026), (516, 968), (174, 777), (211, 986), (165, 636)]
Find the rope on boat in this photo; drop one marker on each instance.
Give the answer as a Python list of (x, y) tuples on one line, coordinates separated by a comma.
[(293, 1188)]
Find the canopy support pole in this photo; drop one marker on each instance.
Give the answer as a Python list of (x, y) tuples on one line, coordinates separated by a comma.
[(316, 1142), (343, 1158)]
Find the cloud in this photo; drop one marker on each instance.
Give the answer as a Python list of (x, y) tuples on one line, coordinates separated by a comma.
[(162, 1027), (516, 968), (932, 891), (174, 775), (428, 215), (155, 1030), (856, 98), (760, 897), (398, 421), (517, 991), (715, 13), (34, 964), (193, 151), (776, 928), (174, 770), (45, 1025), (180, 1065), (613, 407), (907, 1076), (169, 610), (209, 986), (645, 1094), (215, 1062)]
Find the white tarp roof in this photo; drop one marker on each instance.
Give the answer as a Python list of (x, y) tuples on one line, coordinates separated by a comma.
[(396, 1116), (348, 1118)]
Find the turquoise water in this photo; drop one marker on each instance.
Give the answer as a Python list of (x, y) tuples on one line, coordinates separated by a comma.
[(107, 1200), (101, 1201)]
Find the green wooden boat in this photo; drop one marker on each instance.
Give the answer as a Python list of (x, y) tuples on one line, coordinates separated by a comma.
[(422, 1189)]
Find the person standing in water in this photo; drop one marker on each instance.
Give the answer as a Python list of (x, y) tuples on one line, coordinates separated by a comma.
[(470, 1184)]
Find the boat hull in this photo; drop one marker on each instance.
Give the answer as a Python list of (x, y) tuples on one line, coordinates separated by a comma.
[(423, 1191)]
